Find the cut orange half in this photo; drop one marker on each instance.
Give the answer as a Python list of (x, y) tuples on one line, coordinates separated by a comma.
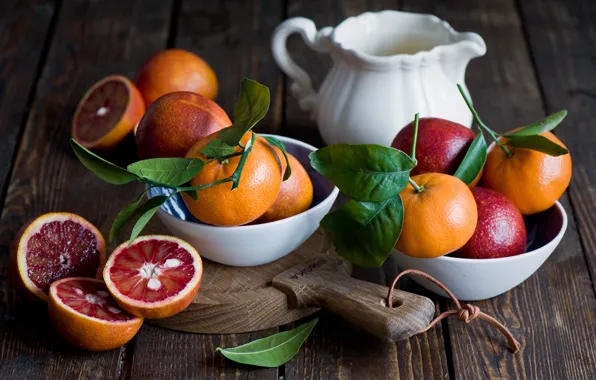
[(156, 277), (84, 313), (108, 112), (55, 246)]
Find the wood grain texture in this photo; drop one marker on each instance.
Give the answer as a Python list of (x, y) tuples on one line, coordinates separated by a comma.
[(234, 38), (22, 52), (322, 281), (91, 40), (557, 336)]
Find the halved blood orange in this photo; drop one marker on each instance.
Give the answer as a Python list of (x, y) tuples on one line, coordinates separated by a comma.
[(156, 277), (84, 313), (109, 111), (55, 246)]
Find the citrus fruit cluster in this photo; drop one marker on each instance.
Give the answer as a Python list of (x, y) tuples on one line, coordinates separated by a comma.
[(97, 304)]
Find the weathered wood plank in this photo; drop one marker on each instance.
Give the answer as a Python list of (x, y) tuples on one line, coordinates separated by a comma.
[(91, 40), (21, 55), (338, 350), (556, 335), (233, 37)]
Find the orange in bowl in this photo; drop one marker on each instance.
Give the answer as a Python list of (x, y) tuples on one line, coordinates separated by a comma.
[(175, 70)]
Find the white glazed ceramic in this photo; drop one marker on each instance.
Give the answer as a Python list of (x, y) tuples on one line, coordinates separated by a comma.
[(387, 66), (253, 244), (475, 279)]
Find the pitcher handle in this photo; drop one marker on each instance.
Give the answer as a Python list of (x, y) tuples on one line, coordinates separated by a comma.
[(320, 41)]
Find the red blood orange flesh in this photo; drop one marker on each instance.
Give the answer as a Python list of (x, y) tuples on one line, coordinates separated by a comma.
[(107, 113), (156, 277), (56, 246), (84, 313)]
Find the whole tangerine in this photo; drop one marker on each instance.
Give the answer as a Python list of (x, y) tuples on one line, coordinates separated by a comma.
[(257, 190), (295, 194), (175, 70), (532, 180), (439, 219)]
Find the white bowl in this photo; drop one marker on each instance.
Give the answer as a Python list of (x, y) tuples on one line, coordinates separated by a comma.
[(478, 279), (256, 244)]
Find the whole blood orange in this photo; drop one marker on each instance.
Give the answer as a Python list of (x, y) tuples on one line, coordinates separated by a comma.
[(295, 193), (259, 185), (438, 220), (108, 112), (175, 122), (84, 313), (532, 180), (176, 70), (155, 277), (54, 246)]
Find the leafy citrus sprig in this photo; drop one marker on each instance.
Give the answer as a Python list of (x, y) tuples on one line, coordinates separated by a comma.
[(175, 173)]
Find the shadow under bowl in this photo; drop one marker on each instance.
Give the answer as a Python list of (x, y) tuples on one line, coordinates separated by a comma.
[(255, 244), (478, 279)]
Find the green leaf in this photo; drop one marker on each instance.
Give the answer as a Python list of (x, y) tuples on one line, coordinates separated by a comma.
[(272, 351), (147, 211), (123, 217), (275, 142), (192, 194), (252, 105), (238, 171), (538, 143), (473, 161), (167, 171), (217, 148), (103, 169), (364, 172), (547, 124), (366, 232)]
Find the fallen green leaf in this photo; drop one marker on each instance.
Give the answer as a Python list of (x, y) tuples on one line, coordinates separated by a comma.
[(473, 161), (364, 172), (167, 171), (272, 351), (366, 232), (547, 124), (277, 143), (538, 143), (103, 169)]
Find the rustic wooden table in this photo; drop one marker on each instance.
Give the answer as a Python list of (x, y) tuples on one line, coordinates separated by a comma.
[(541, 58)]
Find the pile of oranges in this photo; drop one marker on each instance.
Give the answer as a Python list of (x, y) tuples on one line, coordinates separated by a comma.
[(172, 113)]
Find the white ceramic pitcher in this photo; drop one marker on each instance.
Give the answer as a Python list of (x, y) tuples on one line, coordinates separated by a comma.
[(387, 66)]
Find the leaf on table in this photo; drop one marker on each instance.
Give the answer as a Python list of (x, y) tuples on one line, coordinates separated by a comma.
[(538, 143), (272, 351), (366, 232), (102, 168), (172, 172), (147, 211), (240, 167), (473, 161), (217, 148), (365, 172), (124, 216), (547, 124), (252, 105), (277, 143)]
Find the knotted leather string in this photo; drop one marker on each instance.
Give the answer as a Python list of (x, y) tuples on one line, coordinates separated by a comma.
[(466, 313)]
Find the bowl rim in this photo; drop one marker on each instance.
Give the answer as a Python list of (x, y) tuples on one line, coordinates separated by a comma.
[(522, 256), (332, 196)]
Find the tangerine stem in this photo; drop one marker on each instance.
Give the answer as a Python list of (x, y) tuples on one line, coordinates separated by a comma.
[(416, 187), (415, 138), (481, 123)]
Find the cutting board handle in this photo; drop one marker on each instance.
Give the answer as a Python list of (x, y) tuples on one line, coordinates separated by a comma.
[(321, 283)]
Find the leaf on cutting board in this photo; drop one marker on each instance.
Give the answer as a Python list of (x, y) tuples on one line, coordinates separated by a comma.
[(272, 351)]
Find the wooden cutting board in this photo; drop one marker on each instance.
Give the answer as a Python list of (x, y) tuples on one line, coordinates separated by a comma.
[(244, 299)]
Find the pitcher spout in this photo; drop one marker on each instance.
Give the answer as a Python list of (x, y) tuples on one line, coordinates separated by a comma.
[(467, 46)]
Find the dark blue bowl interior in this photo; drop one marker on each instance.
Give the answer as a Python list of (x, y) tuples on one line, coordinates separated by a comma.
[(322, 187), (542, 228)]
